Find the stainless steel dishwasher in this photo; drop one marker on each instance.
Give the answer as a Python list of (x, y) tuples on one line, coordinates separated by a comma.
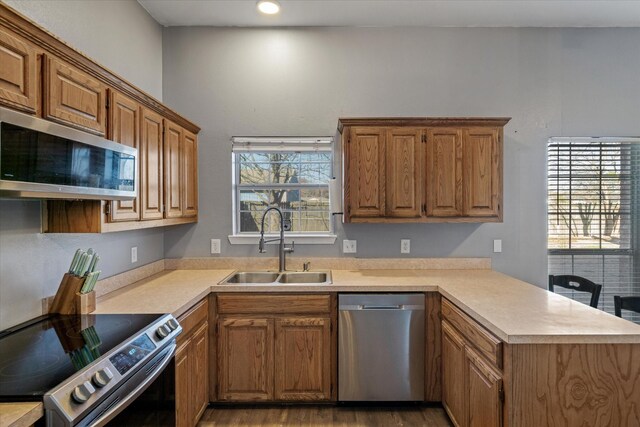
[(381, 347)]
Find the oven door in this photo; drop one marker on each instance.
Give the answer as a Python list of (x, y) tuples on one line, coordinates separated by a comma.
[(146, 399)]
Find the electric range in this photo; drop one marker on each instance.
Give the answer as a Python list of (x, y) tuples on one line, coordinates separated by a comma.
[(85, 368)]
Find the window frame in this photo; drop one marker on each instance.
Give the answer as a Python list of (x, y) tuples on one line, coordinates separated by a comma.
[(279, 145)]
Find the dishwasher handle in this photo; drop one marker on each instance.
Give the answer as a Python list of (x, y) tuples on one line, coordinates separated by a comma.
[(380, 307)]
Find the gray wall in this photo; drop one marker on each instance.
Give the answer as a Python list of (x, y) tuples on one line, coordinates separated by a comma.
[(299, 81), (121, 36)]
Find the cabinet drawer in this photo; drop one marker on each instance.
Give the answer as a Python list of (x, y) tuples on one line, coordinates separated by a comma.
[(488, 345), (191, 319), (273, 304)]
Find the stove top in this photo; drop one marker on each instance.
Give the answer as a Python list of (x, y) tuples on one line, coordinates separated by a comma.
[(38, 355)]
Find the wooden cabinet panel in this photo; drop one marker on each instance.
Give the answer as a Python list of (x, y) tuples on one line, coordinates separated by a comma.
[(482, 152), (303, 359), (245, 355), (487, 344), (453, 375), (173, 173), (444, 172), (124, 127), (484, 386), (365, 161), (404, 172), (190, 180), (182, 392), (200, 378), (273, 304), (74, 98), (18, 73), (151, 166)]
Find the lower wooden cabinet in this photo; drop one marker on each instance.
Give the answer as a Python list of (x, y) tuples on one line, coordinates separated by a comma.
[(284, 353), (472, 392), (192, 367)]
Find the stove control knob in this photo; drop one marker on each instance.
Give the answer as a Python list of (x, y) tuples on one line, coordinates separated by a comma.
[(162, 332), (102, 377), (173, 324), (83, 392)]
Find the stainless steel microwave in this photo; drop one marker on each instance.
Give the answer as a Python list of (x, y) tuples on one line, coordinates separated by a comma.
[(45, 160)]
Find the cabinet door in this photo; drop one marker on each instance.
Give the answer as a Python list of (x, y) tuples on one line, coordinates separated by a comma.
[(245, 357), (200, 373), (303, 359), (482, 153), (484, 387), (453, 372), (124, 127), (404, 172), (183, 360), (74, 98), (173, 144), (444, 172), (365, 195), (190, 167), (18, 73), (151, 166)]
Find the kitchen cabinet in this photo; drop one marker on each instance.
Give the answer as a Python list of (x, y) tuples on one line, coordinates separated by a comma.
[(19, 79), (404, 172), (276, 347), (73, 97), (472, 386), (422, 169), (124, 128), (42, 75), (151, 166), (192, 365)]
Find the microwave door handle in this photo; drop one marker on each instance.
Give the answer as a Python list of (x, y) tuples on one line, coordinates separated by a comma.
[(115, 410)]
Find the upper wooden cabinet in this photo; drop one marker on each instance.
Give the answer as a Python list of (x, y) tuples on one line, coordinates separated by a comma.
[(190, 178), (124, 127), (74, 98), (173, 169), (404, 172), (151, 166), (364, 157), (18, 73), (422, 169)]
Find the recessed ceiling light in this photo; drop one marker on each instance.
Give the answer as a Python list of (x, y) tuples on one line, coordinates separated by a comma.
[(268, 7)]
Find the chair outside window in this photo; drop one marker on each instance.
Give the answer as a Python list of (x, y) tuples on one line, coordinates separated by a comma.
[(626, 303), (579, 284)]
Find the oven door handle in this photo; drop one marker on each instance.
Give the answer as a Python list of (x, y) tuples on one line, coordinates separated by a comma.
[(115, 410)]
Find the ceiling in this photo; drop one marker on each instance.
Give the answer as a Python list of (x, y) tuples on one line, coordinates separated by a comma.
[(399, 13)]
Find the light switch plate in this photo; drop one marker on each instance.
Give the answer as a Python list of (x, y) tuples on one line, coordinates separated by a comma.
[(134, 254), (215, 246), (405, 246), (349, 246), (497, 245)]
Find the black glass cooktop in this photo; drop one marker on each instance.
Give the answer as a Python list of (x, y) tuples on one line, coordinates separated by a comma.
[(38, 355)]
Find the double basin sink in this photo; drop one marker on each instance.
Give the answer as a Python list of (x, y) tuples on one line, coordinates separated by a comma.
[(274, 278)]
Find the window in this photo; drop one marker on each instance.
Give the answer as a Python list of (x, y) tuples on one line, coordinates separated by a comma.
[(290, 173), (593, 194)]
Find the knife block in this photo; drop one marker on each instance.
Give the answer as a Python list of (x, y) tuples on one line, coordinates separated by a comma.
[(69, 300), (85, 303)]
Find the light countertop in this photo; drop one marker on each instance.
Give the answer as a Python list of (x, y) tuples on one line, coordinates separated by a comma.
[(515, 311), (20, 414)]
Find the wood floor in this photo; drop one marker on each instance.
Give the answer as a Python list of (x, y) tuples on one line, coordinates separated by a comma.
[(321, 416)]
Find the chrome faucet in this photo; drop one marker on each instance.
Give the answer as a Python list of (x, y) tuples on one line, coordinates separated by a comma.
[(283, 248)]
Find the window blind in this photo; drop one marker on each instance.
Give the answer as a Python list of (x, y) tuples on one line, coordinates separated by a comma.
[(593, 194)]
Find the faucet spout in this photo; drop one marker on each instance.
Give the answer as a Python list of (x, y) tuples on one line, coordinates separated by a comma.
[(282, 247)]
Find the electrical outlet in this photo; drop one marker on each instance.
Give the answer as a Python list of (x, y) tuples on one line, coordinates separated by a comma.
[(405, 246), (497, 245), (134, 254), (349, 246), (215, 246)]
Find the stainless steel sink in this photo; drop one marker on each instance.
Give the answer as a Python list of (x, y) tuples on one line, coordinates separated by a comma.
[(306, 277), (273, 278), (245, 277)]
